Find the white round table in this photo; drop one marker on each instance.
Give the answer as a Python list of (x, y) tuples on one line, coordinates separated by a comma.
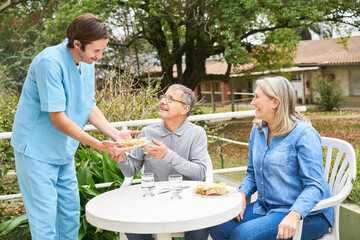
[(126, 210)]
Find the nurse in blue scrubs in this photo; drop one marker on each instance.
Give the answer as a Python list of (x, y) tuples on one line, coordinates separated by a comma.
[(56, 102)]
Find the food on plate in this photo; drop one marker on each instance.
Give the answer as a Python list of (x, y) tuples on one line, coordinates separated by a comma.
[(211, 189), (133, 142)]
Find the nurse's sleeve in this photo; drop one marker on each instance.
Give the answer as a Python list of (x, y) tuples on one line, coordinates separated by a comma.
[(49, 80)]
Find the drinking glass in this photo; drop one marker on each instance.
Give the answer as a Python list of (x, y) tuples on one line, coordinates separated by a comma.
[(147, 184), (175, 182)]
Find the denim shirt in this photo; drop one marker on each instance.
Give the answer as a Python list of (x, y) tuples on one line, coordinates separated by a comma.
[(288, 173)]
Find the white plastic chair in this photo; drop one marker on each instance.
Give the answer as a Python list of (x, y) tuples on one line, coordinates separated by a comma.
[(340, 169), (209, 179)]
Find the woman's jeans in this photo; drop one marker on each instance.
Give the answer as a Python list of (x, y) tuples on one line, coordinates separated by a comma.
[(261, 227)]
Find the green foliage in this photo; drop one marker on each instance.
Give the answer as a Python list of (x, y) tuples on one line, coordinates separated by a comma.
[(7, 226), (355, 193), (55, 28), (21, 36), (330, 93), (93, 167), (8, 103), (123, 96)]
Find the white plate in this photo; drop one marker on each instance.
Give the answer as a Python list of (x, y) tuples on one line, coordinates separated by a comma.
[(231, 190)]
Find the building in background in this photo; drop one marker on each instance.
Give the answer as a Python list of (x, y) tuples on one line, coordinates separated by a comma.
[(327, 57)]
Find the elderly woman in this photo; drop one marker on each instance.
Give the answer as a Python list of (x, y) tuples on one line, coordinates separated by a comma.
[(284, 167)]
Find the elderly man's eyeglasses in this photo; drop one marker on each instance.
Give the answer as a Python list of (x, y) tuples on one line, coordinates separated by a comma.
[(170, 99)]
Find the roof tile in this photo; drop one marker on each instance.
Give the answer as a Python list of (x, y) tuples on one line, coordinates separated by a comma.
[(328, 52)]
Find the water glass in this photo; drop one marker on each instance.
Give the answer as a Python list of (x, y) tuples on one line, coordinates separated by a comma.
[(147, 184), (175, 182)]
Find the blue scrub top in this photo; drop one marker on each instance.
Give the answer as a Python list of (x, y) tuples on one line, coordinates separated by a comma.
[(53, 84)]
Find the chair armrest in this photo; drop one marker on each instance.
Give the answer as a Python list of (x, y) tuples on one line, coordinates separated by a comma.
[(127, 181), (138, 180), (328, 202)]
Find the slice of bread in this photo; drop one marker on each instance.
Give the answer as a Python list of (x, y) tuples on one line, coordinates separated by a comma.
[(132, 142), (211, 189)]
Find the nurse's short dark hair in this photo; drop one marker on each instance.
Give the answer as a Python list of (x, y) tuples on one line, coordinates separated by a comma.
[(187, 95), (86, 29)]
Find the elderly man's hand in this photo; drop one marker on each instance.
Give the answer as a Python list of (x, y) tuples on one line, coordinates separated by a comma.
[(159, 151), (287, 227)]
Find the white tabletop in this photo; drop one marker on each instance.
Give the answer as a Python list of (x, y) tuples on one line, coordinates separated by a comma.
[(125, 210)]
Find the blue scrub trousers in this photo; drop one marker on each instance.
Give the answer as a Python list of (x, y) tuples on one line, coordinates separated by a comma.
[(259, 227), (51, 198)]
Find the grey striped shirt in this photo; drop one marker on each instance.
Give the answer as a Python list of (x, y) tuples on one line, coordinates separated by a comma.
[(187, 153)]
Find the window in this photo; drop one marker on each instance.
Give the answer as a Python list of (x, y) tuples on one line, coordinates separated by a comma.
[(354, 83), (296, 77), (214, 85)]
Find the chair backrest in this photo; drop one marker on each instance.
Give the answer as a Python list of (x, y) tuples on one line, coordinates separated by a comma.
[(340, 165), (209, 170)]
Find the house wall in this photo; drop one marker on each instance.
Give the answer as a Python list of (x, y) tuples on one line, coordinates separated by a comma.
[(343, 74), (240, 88), (222, 91), (206, 91)]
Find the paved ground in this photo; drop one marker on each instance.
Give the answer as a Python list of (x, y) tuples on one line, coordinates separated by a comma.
[(229, 181)]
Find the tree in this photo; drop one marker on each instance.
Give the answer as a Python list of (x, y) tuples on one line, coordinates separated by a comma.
[(195, 30), (21, 28), (323, 30), (184, 33)]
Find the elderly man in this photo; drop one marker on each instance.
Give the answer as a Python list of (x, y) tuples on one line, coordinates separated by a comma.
[(178, 146)]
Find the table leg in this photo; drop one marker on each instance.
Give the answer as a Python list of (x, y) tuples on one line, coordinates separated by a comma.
[(163, 236)]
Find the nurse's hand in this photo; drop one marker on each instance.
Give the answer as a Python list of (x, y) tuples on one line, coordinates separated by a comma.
[(112, 148), (124, 134), (287, 227), (119, 158)]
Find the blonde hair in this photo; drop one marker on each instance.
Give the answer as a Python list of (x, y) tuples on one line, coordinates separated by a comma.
[(286, 117)]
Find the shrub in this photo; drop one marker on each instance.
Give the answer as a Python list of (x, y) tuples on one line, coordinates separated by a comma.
[(330, 93), (92, 167), (355, 193), (8, 103), (123, 96)]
